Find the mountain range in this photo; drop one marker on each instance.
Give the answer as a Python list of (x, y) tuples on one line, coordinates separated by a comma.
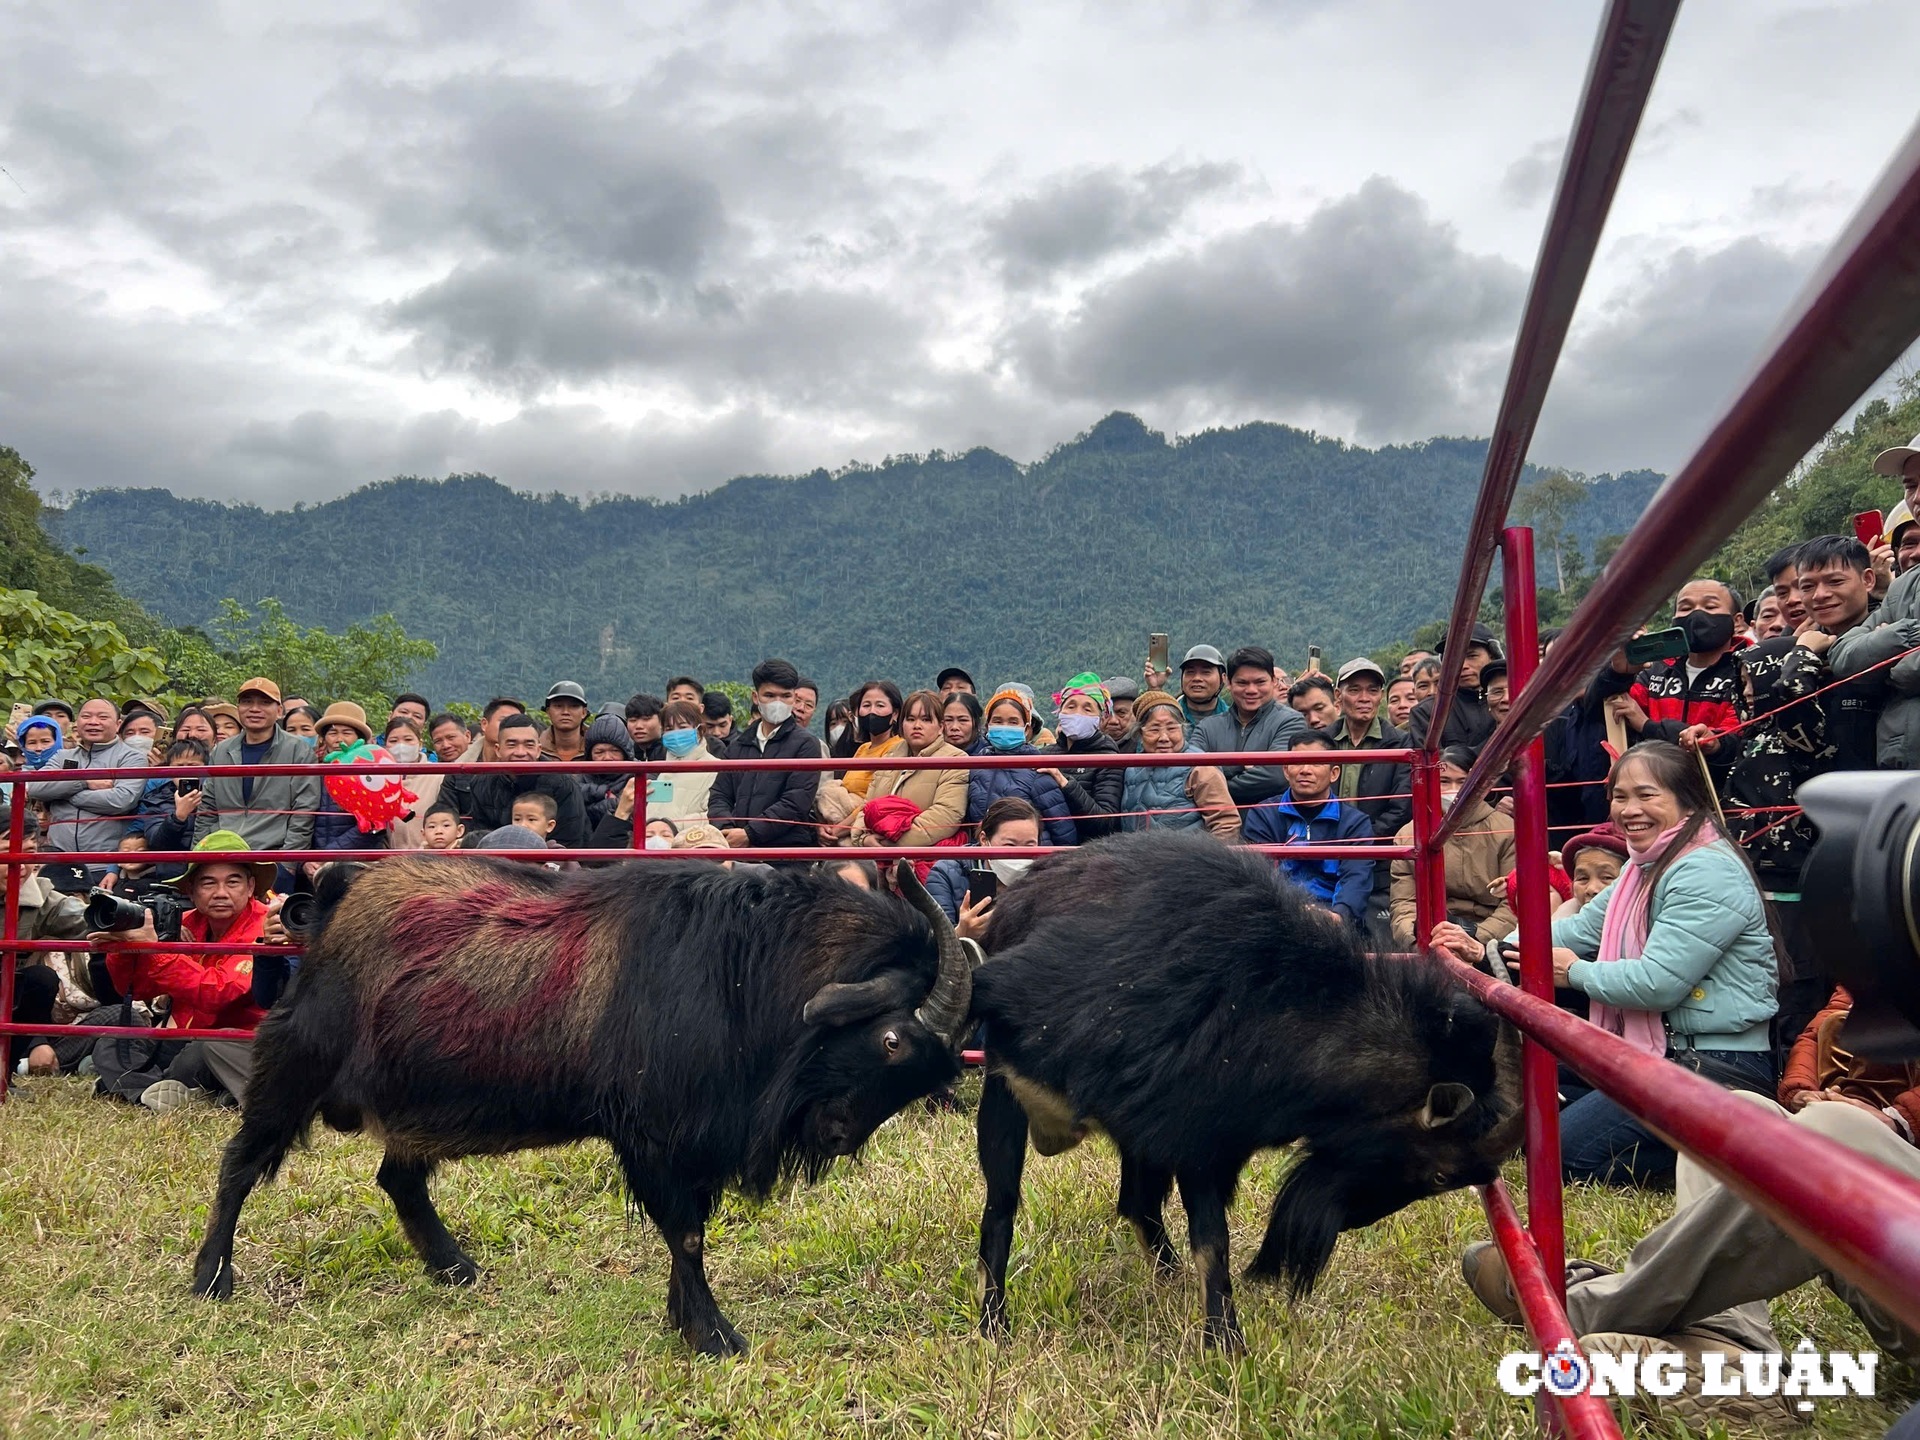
[(1256, 534)]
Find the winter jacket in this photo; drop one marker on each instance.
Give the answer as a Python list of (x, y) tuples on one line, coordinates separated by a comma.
[(947, 884), (1477, 854), (986, 786), (1344, 886), (840, 797), (1777, 755), (940, 794), (1222, 705), (681, 796), (161, 829), (774, 807), (1708, 965), (1469, 722), (1716, 697), (1820, 1062), (1093, 793), (1273, 727), (82, 819), (211, 991), (1382, 790), (600, 793), (280, 814), (1179, 797), (47, 914), (1577, 762), (493, 797), (1891, 630), (335, 829)]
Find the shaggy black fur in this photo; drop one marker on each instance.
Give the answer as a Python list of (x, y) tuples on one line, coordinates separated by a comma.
[(1187, 1001)]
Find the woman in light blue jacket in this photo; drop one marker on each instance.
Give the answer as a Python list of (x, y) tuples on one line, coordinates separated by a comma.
[(1676, 956)]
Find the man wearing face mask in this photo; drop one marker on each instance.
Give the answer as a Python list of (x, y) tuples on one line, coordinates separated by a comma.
[(1699, 697), (768, 807)]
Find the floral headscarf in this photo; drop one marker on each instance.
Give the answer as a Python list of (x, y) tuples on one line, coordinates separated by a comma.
[(1090, 685)]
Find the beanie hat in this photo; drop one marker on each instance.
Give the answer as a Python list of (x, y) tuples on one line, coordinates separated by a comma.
[(609, 730), (1152, 700), (512, 837), (1601, 837), (1088, 684)]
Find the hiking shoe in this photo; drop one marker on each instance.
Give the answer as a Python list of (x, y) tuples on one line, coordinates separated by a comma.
[(165, 1095), (1767, 1414), (1484, 1269)]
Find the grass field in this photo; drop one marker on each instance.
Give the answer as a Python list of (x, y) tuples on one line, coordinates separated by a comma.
[(857, 1296)]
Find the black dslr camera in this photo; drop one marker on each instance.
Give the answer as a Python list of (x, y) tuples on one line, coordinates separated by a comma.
[(1860, 895), (108, 911)]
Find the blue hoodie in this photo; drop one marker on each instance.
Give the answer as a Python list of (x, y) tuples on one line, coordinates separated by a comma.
[(28, 759)]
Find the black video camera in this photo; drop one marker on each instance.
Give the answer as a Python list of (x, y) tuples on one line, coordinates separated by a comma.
[(1861, 897), (108, 911)]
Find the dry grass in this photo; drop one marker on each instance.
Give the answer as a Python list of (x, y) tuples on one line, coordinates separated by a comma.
[(857, 1296)]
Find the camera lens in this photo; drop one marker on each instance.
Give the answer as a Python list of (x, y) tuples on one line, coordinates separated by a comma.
[(1861, 895), (297, 913), (107, 911)]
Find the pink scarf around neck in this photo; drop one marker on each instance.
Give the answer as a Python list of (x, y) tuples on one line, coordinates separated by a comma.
[(1623, 936)]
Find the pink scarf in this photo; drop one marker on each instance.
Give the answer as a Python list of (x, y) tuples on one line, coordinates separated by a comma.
[(1623, 936)]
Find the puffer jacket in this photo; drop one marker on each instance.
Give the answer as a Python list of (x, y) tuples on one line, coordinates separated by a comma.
[(1708, 965), (1891, 630), (986, 786), (1477, 854), (601, 793), (1093, 793), (1820, 1062)]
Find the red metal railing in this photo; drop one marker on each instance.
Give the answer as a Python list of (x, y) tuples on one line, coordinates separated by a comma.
[(1853, 321)]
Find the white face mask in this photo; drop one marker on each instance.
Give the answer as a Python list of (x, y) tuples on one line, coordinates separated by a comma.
[(835, 732), (659, 842), (406, 754), (776, 712), (1009, 870)]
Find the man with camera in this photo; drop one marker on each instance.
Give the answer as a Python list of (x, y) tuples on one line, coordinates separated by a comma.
[(228, 899)]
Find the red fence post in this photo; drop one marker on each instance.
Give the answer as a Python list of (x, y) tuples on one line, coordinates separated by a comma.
[(1429, 865), (1532, 903), (10, 928)]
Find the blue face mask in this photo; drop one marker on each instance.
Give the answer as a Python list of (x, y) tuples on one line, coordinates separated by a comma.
[(1006, 737), (680, 742)]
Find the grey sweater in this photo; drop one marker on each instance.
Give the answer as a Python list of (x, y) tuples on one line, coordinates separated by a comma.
[(87, 819)]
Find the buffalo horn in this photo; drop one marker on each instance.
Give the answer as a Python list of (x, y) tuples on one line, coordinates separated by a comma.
[(944, 1011)]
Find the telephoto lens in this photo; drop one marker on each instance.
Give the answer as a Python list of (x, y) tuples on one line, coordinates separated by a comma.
[(107, 911), (297, 913), (1861, 895)]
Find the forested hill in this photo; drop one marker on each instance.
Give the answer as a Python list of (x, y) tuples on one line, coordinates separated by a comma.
[(1261, 533)]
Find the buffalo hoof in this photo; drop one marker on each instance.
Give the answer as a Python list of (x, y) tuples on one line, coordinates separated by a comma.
[(719, 1339), (213, 1280), (460, 1270)]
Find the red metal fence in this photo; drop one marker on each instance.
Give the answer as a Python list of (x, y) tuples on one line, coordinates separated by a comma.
[(1853, 322)]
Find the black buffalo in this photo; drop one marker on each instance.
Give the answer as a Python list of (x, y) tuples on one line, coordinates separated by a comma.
[(717, 1028), (1179, 996)]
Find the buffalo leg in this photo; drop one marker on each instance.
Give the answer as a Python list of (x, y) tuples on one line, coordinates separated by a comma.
[(681, 1212), (1206, 1197), (1002, 1140), (296, 1057), (1143, 1198), (405, 1181)]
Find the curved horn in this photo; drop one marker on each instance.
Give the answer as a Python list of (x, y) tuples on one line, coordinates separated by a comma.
[(944, 1011), (1511, 1126)]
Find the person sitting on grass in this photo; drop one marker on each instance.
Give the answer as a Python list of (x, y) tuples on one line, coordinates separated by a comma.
[(1699, 1283)]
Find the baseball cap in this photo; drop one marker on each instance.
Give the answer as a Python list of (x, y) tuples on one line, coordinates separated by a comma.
[(259, 685), (52, 703), (1359, 665), (1897, 519), (1203, 655), (952, 672), (566, 690), (1481, 636), (1894, 462)]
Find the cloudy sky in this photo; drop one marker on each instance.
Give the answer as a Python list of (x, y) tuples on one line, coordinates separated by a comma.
[(644, 247)]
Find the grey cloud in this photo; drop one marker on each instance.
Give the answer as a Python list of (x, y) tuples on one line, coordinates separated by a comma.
[(1078, 218), (1530, 179), (1644, 378), (1369, 308)]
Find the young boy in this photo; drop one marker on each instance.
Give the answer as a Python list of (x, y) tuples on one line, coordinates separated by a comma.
[(442, 830), (538, 813)]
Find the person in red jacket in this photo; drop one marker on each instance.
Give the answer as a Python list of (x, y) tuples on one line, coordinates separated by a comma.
[(1695, 700), (206, 991)]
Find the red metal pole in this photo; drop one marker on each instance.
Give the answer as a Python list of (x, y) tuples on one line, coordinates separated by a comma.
[(1543, 1307), (1532, 903), (1429, 864), (10, 927), (1626, 55), (640, 810), (1857, 1216), (1856, 317)]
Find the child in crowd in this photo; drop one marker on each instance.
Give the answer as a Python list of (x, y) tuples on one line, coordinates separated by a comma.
[(442, 829), (538, 813)]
